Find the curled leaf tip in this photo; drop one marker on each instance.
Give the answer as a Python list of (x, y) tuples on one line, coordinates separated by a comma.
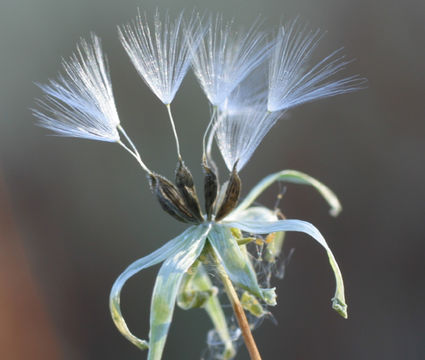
[(195, 299), (229, 353), (269, 296), (122, 326), (340, 307), (335, 211)]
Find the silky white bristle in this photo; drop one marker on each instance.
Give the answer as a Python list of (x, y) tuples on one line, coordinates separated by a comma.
[(248, 94), (160, 52), (225, 57), (238, 134), (81, 103), (293, 82)]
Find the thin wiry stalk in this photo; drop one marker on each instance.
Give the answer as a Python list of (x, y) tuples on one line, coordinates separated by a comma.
[(204, 151), (210, 142), (133, 151), (170, 115), (136, 152), (139, 160)]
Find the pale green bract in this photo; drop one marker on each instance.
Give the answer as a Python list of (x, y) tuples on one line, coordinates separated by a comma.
[(266, 227), (297, 177), (166, 287), (185, 251), (190, 243)]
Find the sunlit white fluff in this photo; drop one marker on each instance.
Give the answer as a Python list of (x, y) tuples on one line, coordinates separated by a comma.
[(159, 52), (226, 56), (292, 81), (81, 103), (248, 94), (238, 134)]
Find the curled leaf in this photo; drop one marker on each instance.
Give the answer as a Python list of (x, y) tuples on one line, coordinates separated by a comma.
[(266, 227), (166, 289), (191, 296), (170, 249), (296, 177)]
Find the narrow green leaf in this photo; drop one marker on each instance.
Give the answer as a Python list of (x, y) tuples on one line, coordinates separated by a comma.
[(338, 302), (253, 213), (292, 176), (169, 249), (166, 288)]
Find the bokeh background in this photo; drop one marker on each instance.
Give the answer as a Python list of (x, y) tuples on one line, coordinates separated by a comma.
[(74, 213)]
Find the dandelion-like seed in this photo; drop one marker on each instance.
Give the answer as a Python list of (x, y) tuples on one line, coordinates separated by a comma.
[(232, 67), (293, 81), (81, 103), (226, 56)]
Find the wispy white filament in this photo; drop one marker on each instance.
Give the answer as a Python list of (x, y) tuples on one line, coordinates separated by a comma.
[(159, 52), (81, 103), (226, 56), (239, 134), (248, 94), (292, 81), (245, 104)]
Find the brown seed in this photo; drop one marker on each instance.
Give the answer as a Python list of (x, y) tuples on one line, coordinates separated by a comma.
[(210, 189), (184, 182), (170, 199), (231, 197)]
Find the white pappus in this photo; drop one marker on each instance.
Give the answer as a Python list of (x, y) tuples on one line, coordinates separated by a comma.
[(81, 103)]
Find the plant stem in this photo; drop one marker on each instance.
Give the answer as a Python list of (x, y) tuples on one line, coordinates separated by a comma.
[(239, 313)]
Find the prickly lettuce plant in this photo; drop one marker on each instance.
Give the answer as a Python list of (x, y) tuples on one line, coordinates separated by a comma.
[(251, 80)]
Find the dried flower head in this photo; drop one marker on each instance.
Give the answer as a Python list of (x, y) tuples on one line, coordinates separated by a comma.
[(230, 67)]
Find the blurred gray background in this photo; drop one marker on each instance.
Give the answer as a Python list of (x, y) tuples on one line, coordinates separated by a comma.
[(74, 213)]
